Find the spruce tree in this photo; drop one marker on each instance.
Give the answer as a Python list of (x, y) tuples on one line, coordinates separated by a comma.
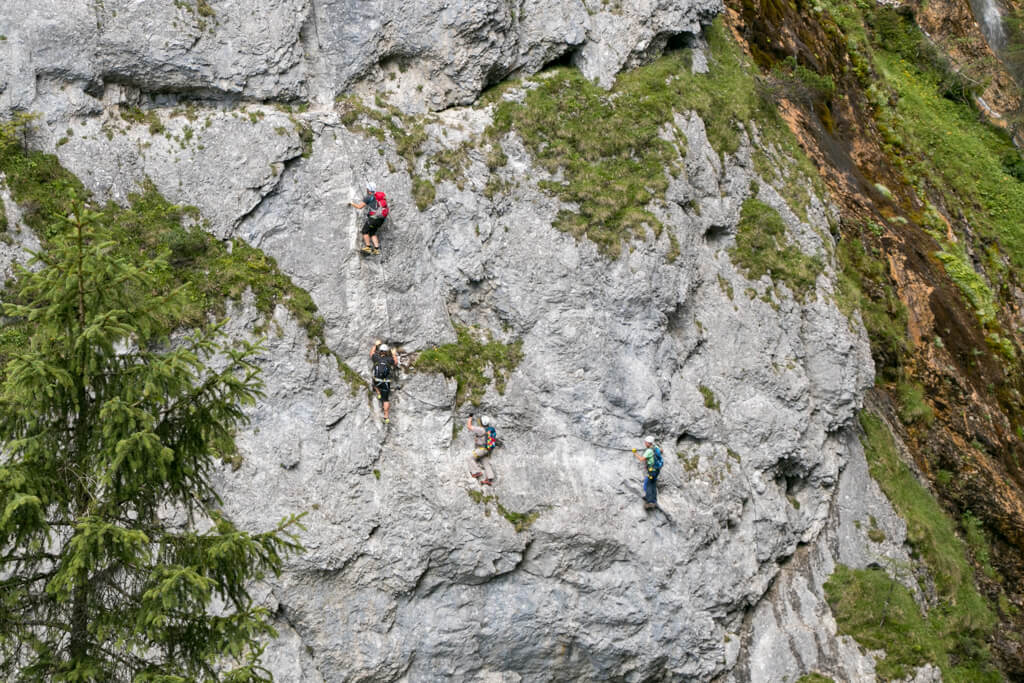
[(115, 563)]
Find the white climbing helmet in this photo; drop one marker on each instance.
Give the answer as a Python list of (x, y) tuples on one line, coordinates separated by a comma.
[(485, 420), (385, 347), (649, 439), (371, 186)]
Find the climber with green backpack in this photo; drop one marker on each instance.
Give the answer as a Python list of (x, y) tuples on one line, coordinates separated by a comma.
[(651, 457)]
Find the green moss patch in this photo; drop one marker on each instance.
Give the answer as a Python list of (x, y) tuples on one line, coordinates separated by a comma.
[(520, 521), (613, 148), (864, 284), (468, 359), (881, 613), (912, 408), (762, 248), (710, 402), (814, 678)]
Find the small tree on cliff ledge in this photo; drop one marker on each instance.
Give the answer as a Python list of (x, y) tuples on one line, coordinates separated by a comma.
[(115, 564)]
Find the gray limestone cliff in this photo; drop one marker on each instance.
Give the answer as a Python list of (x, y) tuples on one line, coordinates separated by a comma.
[(413, 571)]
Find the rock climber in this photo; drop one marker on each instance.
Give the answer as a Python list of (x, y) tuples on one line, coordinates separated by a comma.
[(651, 457), (385, 361), (373, 219), (485, 440)]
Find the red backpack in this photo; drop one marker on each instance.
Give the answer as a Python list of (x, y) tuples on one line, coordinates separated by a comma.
[(378, 211)]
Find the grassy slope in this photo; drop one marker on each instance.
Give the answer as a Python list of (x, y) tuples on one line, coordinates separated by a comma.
[(946, 161), (615, 150), (882, 614)]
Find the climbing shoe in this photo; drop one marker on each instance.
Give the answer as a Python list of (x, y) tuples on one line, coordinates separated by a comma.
[(487, 482), (387, 421), (376, 251), (477, 475), (366, 250)]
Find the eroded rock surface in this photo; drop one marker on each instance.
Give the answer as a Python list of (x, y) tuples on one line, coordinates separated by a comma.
[(423, 54), (413, 571)]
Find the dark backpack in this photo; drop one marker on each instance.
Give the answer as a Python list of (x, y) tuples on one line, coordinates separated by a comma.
[(378, 210), (658, 461), (490, 438), (381, 367)]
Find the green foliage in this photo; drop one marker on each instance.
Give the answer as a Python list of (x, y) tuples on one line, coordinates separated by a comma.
[(945, 149), (864, 285), (149, 225), (138, 116), (814, 677), (610, 147), (423, 192), (3, 216), (1013, 165), (355, 381), (880, 613), (762, 248), (974, 534), (407, 133), (895, 32), (520, 521), (37, 181), (818, 85), (912, 407), (690, 463), (105, 426), (710, 402), (467, 360), (971, 285)]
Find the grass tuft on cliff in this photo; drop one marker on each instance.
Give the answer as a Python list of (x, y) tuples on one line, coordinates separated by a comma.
[(864, 284), (467, 360), (762, 248), (880, 613), (614, 150)]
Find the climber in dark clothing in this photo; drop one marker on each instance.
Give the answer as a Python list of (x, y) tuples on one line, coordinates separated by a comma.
[(385, 360), (373, 220)]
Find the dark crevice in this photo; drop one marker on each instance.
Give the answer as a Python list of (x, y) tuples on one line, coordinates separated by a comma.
[(680, 41), (716, 234), (287, 164), (567, 58)]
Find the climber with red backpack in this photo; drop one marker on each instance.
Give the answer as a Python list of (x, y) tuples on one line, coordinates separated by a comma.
[(376, 205), (485, 441)]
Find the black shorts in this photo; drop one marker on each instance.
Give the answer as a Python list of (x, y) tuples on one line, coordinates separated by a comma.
[(383, 389), (369, 229)]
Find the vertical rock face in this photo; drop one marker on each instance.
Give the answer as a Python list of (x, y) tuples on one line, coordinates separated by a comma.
[(439, 53), (414, 571)]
